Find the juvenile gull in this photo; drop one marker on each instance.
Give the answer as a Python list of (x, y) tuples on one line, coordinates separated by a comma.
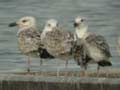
[(91, 47), (29, 39), (57, 41)]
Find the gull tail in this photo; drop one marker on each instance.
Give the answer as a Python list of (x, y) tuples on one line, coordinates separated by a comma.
[(104, 63), (44, 54)]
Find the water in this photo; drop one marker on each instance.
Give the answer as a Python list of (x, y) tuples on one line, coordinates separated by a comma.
[(103, 17)]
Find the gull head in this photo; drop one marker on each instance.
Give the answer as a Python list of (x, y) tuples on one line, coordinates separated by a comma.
[(51, 24), (80, 27), (24, 23), (78, 22)]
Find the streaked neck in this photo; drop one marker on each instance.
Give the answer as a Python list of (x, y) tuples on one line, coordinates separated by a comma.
[(46, 30), (81, 31), (24, 29)]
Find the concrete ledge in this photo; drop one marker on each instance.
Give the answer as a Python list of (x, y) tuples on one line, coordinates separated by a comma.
[(31, 82)]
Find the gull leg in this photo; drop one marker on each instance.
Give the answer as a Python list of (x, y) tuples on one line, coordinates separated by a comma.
[(58, 70), (84, 70), (41, 62), (66, 64), (28, 63), (107, 72), (98, 70)]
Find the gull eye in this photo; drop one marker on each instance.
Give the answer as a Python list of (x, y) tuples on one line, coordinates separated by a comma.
[(57, 25), (82, 20), (24, 21), (49, 25)]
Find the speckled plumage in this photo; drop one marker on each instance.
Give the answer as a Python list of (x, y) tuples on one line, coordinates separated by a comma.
[(90, 47), (59, 42), (29, 42), (29, 39), (98, 43)]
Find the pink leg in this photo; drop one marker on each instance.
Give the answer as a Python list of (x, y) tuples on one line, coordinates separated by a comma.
[(28, 62)]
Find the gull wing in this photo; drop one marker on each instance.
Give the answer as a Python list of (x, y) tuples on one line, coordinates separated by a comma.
[(99, 42), (58, 41)]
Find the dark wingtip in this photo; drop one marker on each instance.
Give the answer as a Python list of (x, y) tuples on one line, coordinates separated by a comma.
[(12, 24), (105, 63), (44, 54)]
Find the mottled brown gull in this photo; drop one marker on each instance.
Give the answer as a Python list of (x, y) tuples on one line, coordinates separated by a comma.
[(29, 39), (57, 41)]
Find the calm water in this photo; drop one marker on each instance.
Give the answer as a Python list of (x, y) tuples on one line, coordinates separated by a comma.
[(103, 17)]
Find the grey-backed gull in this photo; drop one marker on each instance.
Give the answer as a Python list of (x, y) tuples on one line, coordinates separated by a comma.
[(91, 47)]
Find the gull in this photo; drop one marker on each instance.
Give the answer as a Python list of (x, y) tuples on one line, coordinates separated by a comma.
[(118, 45), (91, 47), (29, 39), (57, 41)]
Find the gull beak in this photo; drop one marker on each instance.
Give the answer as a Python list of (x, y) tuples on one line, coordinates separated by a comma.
[(12, 24), (75, 24)]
